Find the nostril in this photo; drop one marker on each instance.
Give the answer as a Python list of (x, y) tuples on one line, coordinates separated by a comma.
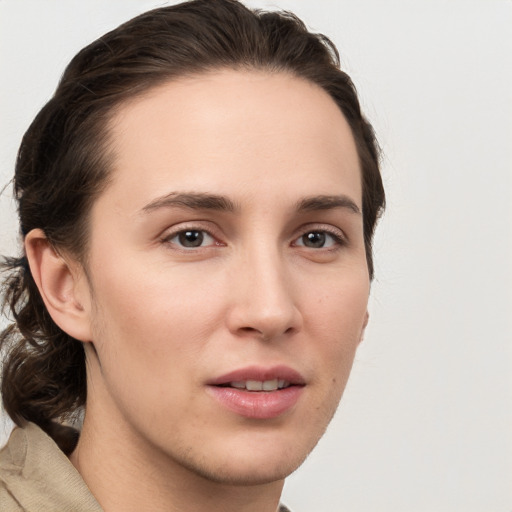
[(254, 333), (264, 334), (263, 320), (250, 330)]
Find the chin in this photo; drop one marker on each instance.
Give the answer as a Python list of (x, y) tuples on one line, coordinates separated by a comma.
[(247, 473), (253, 459)]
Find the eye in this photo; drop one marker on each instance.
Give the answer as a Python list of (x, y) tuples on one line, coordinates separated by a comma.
[(319, 240), (191, 238)]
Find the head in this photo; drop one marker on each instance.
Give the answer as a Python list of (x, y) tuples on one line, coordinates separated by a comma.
[(121, 141)]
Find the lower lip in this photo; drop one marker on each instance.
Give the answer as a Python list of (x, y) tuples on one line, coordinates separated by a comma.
[(257, 404)]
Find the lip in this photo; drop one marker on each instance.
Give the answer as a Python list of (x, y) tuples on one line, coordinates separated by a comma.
[(260, 373), (258, 404)]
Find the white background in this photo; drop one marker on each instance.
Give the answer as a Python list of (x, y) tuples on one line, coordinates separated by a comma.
[(426, 420)]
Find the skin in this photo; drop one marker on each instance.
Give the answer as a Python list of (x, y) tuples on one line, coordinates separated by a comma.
[(160, 320)]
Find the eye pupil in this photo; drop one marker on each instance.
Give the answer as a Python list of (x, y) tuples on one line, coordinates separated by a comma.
[(314, 239), (191, 238)]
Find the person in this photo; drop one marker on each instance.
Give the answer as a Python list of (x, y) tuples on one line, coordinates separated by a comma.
[(197, 203)]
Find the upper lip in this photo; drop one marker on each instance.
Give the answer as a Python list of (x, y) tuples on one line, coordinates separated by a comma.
[(260, 373)]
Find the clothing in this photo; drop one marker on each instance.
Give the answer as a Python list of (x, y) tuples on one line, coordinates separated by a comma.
[(35, 476)]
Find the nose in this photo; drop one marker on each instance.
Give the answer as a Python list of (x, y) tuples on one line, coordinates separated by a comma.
[(264, 298)]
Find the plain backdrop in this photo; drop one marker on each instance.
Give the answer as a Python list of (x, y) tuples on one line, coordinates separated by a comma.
[(426, 420)]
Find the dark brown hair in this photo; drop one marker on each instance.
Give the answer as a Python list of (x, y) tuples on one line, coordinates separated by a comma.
[(64, 162)]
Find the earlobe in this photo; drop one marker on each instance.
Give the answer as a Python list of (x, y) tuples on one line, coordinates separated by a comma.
[(365, 323), (59, 282)]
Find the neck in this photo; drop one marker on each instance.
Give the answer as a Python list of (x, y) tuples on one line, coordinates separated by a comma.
[(126, 473)]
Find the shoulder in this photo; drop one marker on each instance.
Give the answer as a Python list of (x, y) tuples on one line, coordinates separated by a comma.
[(12, 462), (7, 500), (35, 475)]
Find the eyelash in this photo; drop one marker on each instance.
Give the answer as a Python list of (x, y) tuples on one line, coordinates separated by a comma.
[(170, 236), (339, 240)]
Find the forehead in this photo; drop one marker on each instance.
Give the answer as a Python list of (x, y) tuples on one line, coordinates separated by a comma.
[(239, 132)]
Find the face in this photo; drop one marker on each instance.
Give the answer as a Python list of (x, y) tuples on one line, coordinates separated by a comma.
[(227, 274)]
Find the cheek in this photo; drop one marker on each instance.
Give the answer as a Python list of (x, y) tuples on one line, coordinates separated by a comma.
[(338, 317), (339, 307), (146, 338), (148, 318)]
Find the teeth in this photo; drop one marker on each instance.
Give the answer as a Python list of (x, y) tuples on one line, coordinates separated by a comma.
[(270, 385), (254, 385), (258, 385)]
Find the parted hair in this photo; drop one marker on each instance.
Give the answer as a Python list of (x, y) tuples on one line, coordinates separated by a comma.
[(64, 163)]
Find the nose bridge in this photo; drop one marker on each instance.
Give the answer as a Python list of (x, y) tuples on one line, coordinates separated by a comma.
[(264, 300)]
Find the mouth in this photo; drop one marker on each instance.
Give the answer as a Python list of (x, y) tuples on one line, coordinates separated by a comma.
[(258, 393), (258, 385), (258, 378)]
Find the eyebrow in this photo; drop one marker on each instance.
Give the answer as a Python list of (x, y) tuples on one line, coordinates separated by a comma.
[(192, 201), (205, 201), (317, 203)]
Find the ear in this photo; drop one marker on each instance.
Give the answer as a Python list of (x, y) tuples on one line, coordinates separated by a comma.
[(62, 284), (365, 323)]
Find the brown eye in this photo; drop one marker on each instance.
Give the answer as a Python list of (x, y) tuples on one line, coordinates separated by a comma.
[(319, 240), (315, 239), (192, 238)]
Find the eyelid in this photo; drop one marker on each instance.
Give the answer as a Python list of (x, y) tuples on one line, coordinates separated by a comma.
[(212, 230), (195, 225), (337, 233)]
